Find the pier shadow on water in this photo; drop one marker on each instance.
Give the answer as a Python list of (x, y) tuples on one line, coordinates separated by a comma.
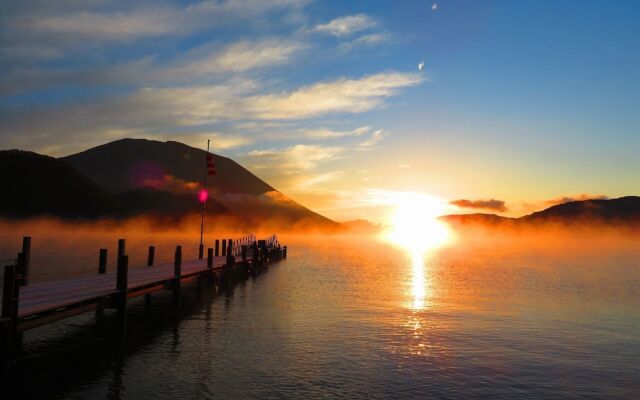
[(88, 350)]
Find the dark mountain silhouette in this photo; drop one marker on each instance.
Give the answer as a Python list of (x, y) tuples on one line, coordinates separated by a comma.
[(37, 185), (134, 164), (623, 209), (620, 211), (478, 218), (130, 164)]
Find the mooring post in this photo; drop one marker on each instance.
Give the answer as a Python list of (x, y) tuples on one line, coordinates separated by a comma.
[(26, 251), (210, 258), (284, 252), (231, 259), (122, 282), (102, 261), (121, 248), (200, 251), (217, 247), (177, 273), (10, 296), (152, 255), (150, 260), (102, 269)]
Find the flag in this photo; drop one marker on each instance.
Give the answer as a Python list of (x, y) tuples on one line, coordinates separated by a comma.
[(211, 169)]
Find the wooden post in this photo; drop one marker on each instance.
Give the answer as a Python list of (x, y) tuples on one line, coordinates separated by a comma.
[(230, 248), (177, 273), (10, 296), (210, 258), (102, 262), (224, 247), (284, 252), (122, 283), (152, 255), (217, 252), (200, 251), (121, 248), (102, 269), (26, 251)]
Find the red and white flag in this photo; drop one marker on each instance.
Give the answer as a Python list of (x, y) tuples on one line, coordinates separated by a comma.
[(211, 169)]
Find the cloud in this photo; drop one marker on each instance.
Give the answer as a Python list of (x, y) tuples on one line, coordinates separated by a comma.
[(580, 197), (491, 204), (78, 23), (294, 158), (339, 96), (162, 109), (325, 133), (370, 40), (204, 62), (344, 26), (372, 140), (237, 57)]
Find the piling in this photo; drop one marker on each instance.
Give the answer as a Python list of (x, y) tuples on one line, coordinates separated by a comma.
[(121, 248), (152, 255), (224, 247), (177, 273), (102, 262), (9, 319), (26, 251), (122, 283), (102, 269), (217, 247)]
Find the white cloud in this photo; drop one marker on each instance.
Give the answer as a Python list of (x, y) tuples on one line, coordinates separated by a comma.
[(240, 56), (370, 40), (340, 96), (372, 140), (84, 22), (344, 26), (294, 158)]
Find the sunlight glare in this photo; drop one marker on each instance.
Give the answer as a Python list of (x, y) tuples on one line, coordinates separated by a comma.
[(415, 224)]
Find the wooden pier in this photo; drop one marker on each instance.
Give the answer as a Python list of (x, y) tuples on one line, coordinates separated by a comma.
[(26, 306)]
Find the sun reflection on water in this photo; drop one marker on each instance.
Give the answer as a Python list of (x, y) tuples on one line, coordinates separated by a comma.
[(416, 228)]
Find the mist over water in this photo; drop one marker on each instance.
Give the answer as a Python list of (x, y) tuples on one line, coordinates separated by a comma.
[(550, 314)]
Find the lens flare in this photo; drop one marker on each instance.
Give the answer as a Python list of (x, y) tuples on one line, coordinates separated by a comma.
[(203, 195)]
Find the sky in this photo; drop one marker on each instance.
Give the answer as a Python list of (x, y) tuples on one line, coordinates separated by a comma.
[(493, 106)]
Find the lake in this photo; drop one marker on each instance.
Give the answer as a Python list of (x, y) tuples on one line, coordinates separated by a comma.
[(362, 318)]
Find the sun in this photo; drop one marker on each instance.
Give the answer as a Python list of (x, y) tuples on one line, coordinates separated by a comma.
[(415, 224)]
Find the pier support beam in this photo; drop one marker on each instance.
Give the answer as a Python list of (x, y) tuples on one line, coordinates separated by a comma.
[(177, 273), (102, 269), (26, 251), (9, 318), (224, 247), (122, 283), (217, 247)]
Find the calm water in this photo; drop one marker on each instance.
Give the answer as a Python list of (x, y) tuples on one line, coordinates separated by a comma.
[(343, 318)]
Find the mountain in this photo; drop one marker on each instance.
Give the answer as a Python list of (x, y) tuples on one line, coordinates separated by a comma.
[(620, 211), (37, 185), (138, 164), (477, 219)]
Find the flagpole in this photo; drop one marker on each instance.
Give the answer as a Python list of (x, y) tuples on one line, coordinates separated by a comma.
[(204, 203)]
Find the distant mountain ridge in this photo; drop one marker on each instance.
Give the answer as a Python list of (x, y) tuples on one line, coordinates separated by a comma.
[(133, 177), (133, 164), (621, 211)]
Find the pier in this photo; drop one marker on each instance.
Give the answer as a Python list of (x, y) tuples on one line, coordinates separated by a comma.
[(26, 306)]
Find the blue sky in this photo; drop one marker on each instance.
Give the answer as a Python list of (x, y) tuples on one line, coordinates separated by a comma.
[(519, 101)]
